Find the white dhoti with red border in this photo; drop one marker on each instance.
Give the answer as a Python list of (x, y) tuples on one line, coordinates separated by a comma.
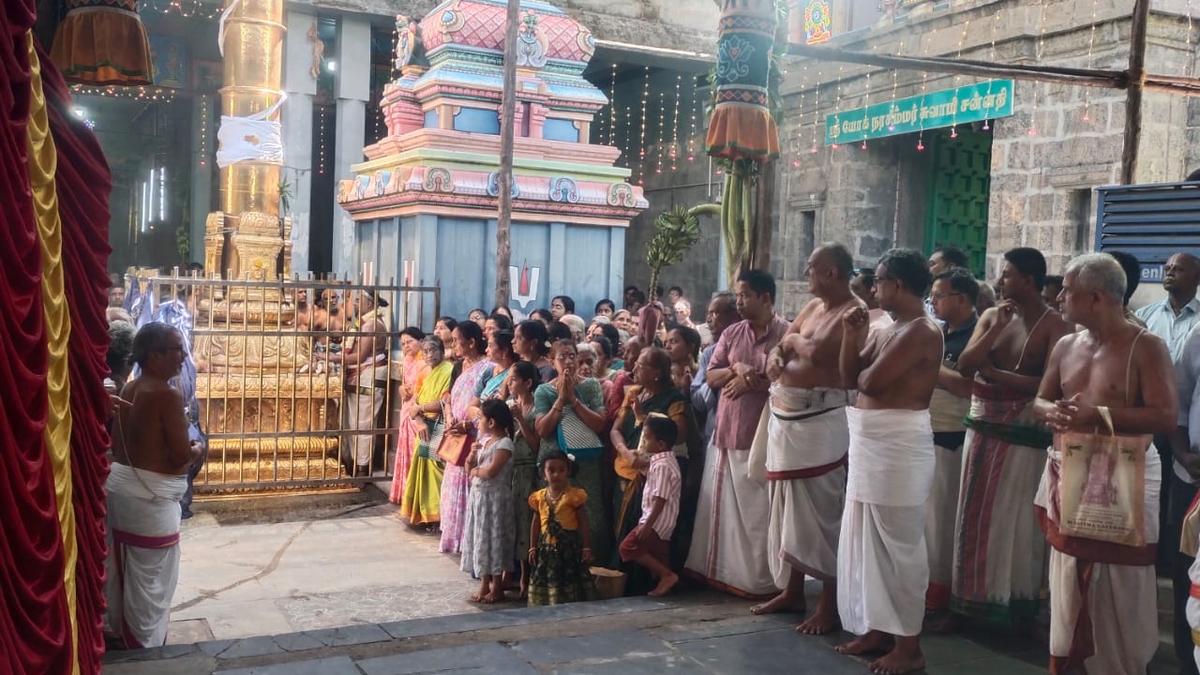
[(142, 567)]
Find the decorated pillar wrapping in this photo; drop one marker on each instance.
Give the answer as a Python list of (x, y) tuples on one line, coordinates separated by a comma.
[(742, 127), (103, 42)]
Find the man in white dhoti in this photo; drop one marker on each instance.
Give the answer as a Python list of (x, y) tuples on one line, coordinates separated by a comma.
[(883, 570), (953, 298), (151, 457), (729, 542), (365, 360), (801, 445), (1113, 378)]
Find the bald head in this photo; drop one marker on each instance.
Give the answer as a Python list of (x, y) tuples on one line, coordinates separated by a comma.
[(828, 271), (838, 257)]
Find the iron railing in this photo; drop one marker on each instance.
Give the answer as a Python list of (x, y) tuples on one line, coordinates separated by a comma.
[(279, 397)]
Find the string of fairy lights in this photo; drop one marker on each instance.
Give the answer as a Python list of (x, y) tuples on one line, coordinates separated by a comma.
[(138, 93), (204, 122), (659, 133), (184, 8)]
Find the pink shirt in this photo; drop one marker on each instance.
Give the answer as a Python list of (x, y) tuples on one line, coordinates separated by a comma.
[(737, 419), (662, 480)]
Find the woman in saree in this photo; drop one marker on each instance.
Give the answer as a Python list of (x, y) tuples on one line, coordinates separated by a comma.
[(461, 432), (570, 417), (422, 487), (531, 341), (652, 393), (500, 353), (413, 372)]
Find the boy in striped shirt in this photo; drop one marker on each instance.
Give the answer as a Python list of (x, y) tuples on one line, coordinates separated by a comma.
[(649, 543)]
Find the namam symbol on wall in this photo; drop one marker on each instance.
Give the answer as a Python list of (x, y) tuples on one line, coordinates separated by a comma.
[(524, 283)]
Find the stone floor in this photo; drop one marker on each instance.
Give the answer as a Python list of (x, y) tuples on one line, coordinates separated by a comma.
[(341, 591), (244, 579)]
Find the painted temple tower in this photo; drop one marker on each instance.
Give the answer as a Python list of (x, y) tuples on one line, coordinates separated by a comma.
[(424, 204)]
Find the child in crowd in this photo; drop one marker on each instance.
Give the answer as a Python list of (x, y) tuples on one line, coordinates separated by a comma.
[(559, 558), (648, 544), (522, 380), (488, 533)]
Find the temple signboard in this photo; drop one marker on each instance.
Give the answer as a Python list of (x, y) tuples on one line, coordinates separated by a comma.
[(987, 100)]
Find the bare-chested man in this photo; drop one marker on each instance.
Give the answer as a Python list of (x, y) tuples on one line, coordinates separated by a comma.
[(151, 453), (999, 554), (883, 570), (802, 443), (1112, 378)]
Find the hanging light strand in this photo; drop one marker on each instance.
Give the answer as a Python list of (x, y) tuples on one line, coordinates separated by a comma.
[(867, 101), (691, 136), (203, 144), (612, 106), (675, 124), (837, 104), (140, 93), (799, 137), (1041, 44), (895, 82), (921, 131), (322, 150), (816, 123), (642, 130), (661, 149), (962, 37)]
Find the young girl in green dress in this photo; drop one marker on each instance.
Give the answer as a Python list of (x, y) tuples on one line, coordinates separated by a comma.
[(559, 558)]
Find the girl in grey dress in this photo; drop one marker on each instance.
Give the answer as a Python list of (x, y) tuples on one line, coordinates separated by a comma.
[(488, 533), (523, 379)]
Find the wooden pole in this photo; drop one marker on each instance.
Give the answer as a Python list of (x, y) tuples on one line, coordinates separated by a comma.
[(504, 181), (1112, 79), (1133, 96), (764, 216)]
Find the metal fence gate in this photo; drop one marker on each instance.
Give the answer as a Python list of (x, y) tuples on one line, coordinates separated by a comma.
[(277, 393)]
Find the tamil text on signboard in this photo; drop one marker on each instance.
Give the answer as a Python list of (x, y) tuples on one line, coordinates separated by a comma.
[(943, 108)]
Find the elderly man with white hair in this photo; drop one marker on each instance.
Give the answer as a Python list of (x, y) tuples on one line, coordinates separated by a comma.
[(1106, 391)]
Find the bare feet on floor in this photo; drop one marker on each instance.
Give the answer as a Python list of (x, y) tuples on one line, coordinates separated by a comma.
[(873, 642), (820, 623), (493, 597), (665, 584), (897, 662), (780, 603)]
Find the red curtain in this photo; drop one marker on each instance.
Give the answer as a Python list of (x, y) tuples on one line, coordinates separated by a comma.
[(35, 624), (35, 628), (83, 184)]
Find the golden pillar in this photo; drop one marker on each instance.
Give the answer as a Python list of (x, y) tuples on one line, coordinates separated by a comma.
[(253, 377), (246, 238)]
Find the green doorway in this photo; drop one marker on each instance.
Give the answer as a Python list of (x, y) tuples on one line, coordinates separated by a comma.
[(959, 186)]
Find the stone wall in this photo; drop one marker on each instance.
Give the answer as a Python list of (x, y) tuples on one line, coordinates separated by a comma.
[(1062, 141)]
